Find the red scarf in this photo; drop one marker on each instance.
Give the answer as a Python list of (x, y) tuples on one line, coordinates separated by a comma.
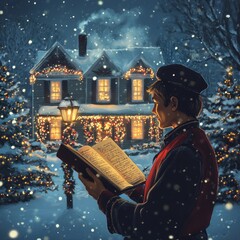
[(158, 162)]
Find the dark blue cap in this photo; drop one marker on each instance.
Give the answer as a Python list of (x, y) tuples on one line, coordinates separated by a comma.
[(182, 77)]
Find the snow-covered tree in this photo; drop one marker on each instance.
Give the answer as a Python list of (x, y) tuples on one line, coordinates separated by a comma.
[(22, 170), (222, 122), (20, 39)]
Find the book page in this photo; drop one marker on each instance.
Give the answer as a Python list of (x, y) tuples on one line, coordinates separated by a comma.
[(103, 167), (120, 161)]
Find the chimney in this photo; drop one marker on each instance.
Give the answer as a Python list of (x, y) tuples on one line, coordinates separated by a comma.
[(82, 44)]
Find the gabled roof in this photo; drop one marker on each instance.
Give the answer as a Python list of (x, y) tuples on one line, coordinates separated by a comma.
[(120, 58), (137, 61), (56, 55), (103, 65)]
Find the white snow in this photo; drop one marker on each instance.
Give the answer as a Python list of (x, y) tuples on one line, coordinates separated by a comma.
[(46, 217), (211, 115), (120, 57), (49, 110), (7, 149), (65, 103), (86, 109)]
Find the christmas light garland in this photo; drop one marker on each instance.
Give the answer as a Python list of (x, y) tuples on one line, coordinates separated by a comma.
[(140, 69), (96, 128), (55, 69)]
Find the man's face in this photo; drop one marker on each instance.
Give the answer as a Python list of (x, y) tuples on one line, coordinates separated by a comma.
[(163, 114)]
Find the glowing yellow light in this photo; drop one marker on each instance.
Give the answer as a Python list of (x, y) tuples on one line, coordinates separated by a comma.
[(141, 70), (229, 206), (32, 79), (13, 234), (59, 69)]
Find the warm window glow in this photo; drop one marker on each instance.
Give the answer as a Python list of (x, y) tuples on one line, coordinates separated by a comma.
[(103, 93), (137, 90), (56, 92), (137, 129), (55, 129)]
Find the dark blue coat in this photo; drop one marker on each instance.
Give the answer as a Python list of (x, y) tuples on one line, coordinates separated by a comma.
[(178, 197)]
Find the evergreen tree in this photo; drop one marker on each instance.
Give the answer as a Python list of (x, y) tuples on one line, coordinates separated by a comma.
[(222, 122), (22, 170)]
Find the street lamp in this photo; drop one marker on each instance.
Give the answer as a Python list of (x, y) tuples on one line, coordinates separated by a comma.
[(69, 111)]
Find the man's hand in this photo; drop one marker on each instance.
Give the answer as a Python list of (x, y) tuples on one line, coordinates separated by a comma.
[(95, 187)]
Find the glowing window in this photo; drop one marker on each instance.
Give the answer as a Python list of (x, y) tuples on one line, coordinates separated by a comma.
[(55, 129), (103, 90), (137, 129), (137, 90), (55, 91)]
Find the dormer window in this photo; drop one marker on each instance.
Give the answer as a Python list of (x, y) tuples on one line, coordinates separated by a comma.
[(137, 90), (104, 90), (55, 91)]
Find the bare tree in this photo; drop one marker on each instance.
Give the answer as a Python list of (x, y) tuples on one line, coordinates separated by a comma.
[(215, 23)]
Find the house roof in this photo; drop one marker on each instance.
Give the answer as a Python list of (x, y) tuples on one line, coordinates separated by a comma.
[(96, 109), (121, 58), (56, 54)]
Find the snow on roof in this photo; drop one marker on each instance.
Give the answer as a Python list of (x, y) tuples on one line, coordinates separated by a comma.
[(95, 109), (123, 109), (122, 58), (43, 55), (49, 111)]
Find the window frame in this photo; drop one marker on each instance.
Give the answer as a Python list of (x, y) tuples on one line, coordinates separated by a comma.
[(132, 128), (109, 91), (59, 126), (52, 100), (142, 91)]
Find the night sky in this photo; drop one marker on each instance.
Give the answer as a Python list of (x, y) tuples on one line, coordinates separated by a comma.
[(124, 20)]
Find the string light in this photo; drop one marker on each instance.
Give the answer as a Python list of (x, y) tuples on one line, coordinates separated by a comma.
[(17, 185), (53, 70), (139, 69), (222, 126), (97, 127)]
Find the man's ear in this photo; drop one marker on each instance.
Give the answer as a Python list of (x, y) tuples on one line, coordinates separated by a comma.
[(174, 103)]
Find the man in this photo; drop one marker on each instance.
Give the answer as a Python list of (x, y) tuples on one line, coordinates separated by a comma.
[(178, 197)]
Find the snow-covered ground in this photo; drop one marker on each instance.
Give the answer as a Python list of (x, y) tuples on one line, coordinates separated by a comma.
[(46, 217)]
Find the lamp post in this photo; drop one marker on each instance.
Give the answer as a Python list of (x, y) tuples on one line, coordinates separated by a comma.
[(32, 81), (69, 111)]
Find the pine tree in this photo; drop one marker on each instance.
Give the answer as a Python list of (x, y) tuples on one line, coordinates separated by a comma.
[(22, 170), (222, 122)]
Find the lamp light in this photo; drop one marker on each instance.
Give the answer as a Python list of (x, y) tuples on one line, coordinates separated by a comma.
[(68, 109)]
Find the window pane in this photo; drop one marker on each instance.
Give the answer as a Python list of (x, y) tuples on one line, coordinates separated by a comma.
[(55, 90), (137, 129), (55, 129), (103, 93), (137, 90)]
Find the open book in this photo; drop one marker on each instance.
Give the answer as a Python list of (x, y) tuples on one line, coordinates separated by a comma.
[(117, 171)]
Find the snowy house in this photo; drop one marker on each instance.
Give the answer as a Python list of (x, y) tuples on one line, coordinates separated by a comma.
[(110, 86)]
